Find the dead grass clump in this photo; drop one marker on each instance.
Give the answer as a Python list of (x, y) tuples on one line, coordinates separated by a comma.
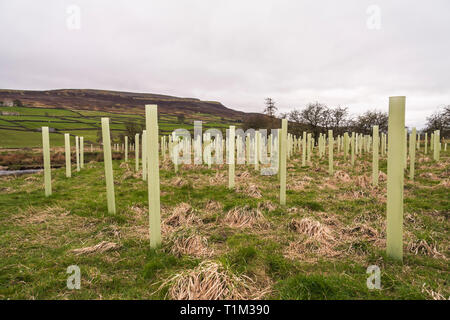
[(211, 281), (445, 183), (266, 205), (433, 294), (212, 205), (382, 176), (182, 215), (194, 245), (297, 185), (253, 191), (363, 182), (178, 182), (31, 178), (361, 230), (36, 215), (244, 175), (311, 228), (138, 210), (98, 248), (245, 217), (422, 247), (342, 176), (304, 248), (219, 178), (429, 175), (124, 165)]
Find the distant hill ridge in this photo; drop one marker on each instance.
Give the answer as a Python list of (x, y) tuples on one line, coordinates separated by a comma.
[(117, 101)]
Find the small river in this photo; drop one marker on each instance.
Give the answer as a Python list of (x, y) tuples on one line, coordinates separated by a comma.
[(18, 172)]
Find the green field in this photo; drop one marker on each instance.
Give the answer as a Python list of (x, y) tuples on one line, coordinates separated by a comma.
[(317, 246), (19, 131)]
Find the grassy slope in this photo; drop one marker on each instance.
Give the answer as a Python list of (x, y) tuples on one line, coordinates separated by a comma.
[(38, 234), (20, 131)]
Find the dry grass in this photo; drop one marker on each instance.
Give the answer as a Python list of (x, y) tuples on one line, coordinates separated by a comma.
[(424, 248), (251, 190), (98, 248), (212, 205), (311, 228), (433, 294), (342, 176), (194, 245), (211, 281), (245, 217), (182, 216)]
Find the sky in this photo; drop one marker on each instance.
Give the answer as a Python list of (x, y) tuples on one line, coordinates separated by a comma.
[(352, 53)]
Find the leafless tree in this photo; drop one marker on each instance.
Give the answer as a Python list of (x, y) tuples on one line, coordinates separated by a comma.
[(270, 109), (440, 120), (365, 122)]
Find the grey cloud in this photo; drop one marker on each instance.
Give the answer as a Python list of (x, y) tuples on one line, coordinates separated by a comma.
[(236, 52)]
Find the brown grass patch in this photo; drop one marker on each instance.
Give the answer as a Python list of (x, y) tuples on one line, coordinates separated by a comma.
[(194, 245), (98, 248), (251, 190), (266, 205), (311, 228), (342, 176), (422, 247), (211, 281), (245, 217), (182, 215), (433, 294), (212, 205)]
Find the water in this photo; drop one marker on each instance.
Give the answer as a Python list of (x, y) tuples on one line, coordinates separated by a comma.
[(18, 172)]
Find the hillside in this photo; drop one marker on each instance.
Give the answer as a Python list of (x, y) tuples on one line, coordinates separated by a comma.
[(78, 112), (116, 101)]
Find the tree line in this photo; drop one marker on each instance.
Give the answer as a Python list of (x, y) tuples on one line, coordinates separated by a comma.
[(319, 118)]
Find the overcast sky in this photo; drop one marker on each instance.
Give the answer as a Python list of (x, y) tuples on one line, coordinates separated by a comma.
[(353, 53)]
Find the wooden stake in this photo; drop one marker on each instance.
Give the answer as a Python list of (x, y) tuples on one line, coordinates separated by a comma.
[(151, 118), (108, 166), (395, 167)]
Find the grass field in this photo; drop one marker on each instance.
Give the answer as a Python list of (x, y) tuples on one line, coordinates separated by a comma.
[(19, 131), (318, 246)]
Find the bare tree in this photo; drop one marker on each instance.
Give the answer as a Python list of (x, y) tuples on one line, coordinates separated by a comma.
[(440, 120), (270, 109), (365, 122)]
